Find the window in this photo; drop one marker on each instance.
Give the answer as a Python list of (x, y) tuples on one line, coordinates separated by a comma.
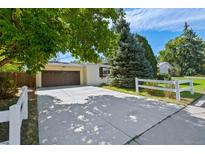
[(104, 72)]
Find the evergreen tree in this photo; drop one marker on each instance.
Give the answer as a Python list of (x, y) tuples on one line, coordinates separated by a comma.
[(185, 53), (129, 61), (192, 56), (148, 52)]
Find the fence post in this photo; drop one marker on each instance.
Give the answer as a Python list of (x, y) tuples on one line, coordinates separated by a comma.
[(14, 125), (137, 85), (177, 90), (191, 87), (25, 103)]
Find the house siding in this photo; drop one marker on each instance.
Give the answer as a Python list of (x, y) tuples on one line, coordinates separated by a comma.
[(93, 77), (89, 73)]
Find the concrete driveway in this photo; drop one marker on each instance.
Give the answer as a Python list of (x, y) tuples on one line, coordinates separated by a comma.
[(92, 115)]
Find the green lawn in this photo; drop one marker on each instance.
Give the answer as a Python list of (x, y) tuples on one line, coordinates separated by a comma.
[(186, 97), (199, 84), (29, 129)]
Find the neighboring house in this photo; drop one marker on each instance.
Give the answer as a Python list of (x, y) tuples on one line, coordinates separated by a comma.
[(61, 74), (164, 67)]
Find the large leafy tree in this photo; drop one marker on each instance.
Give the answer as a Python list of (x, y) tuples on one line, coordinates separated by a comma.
[(185, 53), (33, 36), (129, 60), (149, 54)]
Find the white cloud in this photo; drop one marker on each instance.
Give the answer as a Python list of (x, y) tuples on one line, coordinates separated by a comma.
[(165, 19)]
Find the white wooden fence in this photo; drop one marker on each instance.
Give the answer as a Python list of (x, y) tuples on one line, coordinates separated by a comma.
[(177, 83), (14, 116)]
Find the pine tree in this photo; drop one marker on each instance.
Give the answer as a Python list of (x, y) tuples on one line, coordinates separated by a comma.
[(191, 51), (148, 52), (129, 61)]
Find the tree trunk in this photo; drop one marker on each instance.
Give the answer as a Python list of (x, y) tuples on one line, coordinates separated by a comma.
[(4, 61)]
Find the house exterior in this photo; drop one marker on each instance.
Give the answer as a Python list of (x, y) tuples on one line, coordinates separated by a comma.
[(62, 74), (164, 67)]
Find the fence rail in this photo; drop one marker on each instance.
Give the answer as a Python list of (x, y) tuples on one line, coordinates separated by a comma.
[(177, 88), (14, 116)]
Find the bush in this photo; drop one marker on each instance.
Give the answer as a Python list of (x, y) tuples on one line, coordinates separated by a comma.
[(159, 93), (168, 93), (8, 88), (175, 71), (152, 91), (164, 77)]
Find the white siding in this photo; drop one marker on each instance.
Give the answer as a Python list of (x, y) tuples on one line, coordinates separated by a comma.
[(164, 69), (93, 77)]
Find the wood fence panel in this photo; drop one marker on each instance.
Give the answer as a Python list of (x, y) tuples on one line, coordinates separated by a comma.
[(21, 78)]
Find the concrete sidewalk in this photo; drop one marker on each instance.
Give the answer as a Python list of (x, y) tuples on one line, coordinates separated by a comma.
[(200, 102), (185, 127)]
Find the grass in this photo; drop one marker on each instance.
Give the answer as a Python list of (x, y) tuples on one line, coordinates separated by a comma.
[(29, 129), (186, 97), (199, 84)]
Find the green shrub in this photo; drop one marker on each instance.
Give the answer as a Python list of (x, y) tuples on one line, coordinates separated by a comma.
[(168, 93), (175, 71), (152, 91), (164, 77), (160, 93), (8, 88), (102, 84)]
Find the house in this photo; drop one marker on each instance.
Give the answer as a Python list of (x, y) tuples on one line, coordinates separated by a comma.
[(61, 74), (164, 67)]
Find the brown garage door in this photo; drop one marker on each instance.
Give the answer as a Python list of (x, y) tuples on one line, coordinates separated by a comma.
[(60, 78)]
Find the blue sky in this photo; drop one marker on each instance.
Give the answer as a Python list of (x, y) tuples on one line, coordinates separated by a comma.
[(160, 25)]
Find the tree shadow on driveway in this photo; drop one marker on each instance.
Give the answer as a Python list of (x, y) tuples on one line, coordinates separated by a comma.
[(187, 127), (103, 119)]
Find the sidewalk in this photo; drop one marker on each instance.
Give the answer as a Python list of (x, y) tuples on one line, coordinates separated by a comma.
[(200, 102), (185, 127)]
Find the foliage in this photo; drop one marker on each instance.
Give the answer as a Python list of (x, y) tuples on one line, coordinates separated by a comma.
[(33, 36), (155, 92), (169, 94), (11, 68), (174, 71), (8, 87), (185, 53), (163, 77), (129, 60), (152, 91), (148, 52)]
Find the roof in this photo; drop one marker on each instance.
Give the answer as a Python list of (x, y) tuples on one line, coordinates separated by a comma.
[(74, 64), (164, 63)]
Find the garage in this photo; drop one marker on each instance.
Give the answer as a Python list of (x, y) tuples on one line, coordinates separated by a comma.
[(60, 78)]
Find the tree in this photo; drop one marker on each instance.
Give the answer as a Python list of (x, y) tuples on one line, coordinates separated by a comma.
[(192, 52), (11, 68), (33, 36), (170, 54), (148, 52), (129, 60), (185, 53)]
